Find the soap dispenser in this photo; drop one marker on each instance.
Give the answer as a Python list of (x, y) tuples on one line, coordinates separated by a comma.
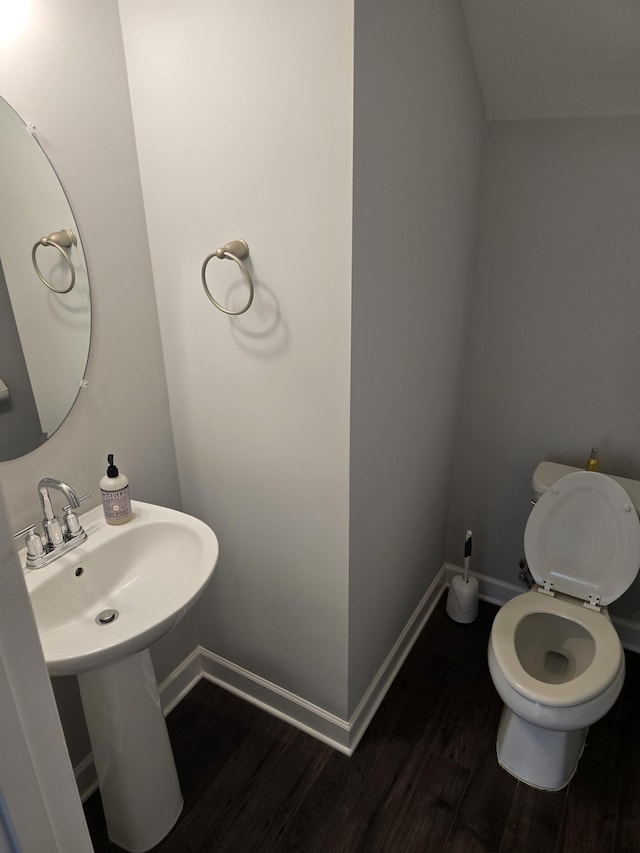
[(114, 488)]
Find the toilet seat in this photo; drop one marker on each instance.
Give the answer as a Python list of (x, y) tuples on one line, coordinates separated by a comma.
[(597, 677), (583, 538)]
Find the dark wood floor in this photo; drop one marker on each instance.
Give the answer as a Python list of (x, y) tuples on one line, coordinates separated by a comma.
[(424, 777)]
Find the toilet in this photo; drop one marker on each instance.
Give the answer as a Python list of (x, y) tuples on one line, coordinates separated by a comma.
[(554, 656)]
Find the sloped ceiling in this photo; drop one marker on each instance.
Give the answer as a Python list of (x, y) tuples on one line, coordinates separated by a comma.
[(556, 58)]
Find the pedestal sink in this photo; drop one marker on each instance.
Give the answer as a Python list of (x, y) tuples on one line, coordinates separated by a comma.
[(98, 609)]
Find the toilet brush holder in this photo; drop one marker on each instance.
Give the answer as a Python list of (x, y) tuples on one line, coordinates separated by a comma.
[(462, 600)]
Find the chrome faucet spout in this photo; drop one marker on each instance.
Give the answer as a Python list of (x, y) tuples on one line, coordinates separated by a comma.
[(51, 483)]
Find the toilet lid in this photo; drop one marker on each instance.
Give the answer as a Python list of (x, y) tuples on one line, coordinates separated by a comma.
[(583, 536)]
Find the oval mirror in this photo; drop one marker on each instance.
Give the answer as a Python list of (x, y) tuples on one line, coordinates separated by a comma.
[(45, 324)]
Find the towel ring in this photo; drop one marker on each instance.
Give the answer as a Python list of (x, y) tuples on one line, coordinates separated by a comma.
[(238, 251), (60, 240)]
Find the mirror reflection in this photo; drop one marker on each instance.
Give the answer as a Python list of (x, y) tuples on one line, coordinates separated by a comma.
[(45, 324)]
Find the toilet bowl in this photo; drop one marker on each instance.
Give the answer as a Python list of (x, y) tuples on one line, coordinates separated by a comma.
[(554, 656)]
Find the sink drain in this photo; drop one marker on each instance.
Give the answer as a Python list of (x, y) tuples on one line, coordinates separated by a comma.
[(106, 617)]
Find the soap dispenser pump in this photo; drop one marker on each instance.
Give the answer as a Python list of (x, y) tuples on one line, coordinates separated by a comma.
[(114, 488)]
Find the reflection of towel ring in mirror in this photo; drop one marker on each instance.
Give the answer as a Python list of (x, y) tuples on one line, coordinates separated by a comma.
[(238, 251), (60, 240)]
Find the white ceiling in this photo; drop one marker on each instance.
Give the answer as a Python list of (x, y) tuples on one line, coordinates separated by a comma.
[(556, 58)]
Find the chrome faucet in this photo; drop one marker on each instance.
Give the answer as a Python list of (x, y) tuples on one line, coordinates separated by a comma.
[(59, 537)]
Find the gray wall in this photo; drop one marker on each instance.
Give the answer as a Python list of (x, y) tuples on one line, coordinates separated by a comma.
[(551, 365), (419, 124), (551, 349), (125, 407), (244, 129), (272, 432)]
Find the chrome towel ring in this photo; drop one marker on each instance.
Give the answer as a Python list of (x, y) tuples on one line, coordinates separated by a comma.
[(238, 251), (60, 240)]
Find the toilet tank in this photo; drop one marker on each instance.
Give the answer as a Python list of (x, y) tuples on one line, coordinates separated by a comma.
[(547, 473)]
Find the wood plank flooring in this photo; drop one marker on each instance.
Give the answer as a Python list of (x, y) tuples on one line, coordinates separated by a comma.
[(424, 778)]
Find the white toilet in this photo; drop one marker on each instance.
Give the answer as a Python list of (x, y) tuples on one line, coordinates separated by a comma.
[(554, 656)]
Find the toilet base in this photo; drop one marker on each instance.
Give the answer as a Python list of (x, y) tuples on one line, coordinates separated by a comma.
[(542, 758)]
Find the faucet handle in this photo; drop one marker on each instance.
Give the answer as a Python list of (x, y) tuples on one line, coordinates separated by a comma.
[(72, 522), (32, 540), (24, 530)]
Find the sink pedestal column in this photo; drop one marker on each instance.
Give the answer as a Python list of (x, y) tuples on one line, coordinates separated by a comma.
[(136, 771)]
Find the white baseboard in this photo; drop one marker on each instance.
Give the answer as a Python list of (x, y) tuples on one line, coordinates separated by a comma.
[(392, 664), (86, 778), (183, 678), (629, 633), (276, 700), (499, 592), (343, 735)]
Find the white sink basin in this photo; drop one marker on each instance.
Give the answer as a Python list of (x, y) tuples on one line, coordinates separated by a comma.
[(150, 570)]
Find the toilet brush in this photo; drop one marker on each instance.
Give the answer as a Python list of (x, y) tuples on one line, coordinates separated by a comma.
[(462, 600)]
